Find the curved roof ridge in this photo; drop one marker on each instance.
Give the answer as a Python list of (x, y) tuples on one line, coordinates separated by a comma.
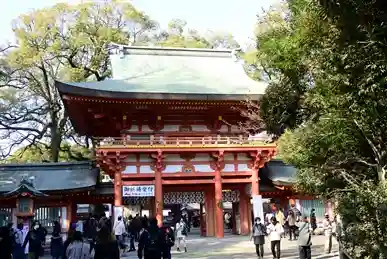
[(171, 51), (49, 165)]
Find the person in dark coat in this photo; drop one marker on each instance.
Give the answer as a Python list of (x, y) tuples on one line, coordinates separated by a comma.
[(57, 228), (313, 219), (169, 241), (34, 240), (258, 234), (151, 242), (57, 247), (106, 246), (5, 244)]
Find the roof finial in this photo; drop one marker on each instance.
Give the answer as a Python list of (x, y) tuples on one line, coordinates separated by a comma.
[(121, 51), (234, 54)]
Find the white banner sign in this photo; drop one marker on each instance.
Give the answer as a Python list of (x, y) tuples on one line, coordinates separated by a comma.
[(258, 207), (138, 191)]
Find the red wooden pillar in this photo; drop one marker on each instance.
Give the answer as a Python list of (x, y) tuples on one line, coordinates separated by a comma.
[(202, 228), (159, 206), (117, 188), (210, 212), (254, 182), (234, 214), (219, 222), (71, 213), (243, 212)]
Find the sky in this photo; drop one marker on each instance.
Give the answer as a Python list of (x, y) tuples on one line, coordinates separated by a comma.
[(236, 17)]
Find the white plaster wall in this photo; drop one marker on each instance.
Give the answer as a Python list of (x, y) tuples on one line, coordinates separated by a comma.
[(199, 128), (173, 169), (223, 129), (243, 157), (235, 129), (228, 156), (243, 167), (130, 169), (133, 128), (203, 168), (145, 158), (170, 128), (174, 158), (202, 157), (131, 158), (145, 128), (229, 168), (145, 169)]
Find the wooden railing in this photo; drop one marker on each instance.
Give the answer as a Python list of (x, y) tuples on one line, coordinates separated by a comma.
[(180, 141)]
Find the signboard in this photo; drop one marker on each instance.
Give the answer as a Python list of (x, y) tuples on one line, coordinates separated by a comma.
[(138, 191), (258, 207)]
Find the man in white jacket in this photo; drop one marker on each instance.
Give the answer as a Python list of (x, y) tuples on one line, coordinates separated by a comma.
[(275, 231), (119, 231)]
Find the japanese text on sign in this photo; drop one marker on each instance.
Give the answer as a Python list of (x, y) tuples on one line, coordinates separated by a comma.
[(138, 191)]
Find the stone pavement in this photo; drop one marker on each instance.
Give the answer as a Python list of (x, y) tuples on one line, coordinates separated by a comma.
[(238, 247)]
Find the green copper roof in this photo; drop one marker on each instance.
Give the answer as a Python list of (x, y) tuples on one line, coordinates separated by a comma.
[(150, 70)]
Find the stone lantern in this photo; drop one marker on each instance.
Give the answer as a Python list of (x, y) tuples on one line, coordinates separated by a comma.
[(25, 195)]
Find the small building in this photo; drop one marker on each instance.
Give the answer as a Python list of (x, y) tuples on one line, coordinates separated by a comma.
[(64, 185)]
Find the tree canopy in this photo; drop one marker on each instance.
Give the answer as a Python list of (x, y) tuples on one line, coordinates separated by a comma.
[(71, 43), (327, 101)]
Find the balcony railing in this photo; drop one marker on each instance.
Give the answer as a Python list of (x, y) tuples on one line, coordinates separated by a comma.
[(153, 141)]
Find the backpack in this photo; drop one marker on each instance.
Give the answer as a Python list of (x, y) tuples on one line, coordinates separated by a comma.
[(152, 241), (184, 231), (17, 236), (168, 238)]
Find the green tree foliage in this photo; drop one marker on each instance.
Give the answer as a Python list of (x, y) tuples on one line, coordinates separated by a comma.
[(64, 42), (332, 71), (40, 153), (71, 43)]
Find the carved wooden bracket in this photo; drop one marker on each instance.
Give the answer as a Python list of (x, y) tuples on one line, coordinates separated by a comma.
[(218, 163), (157, 123), (260, 158), (159, 164), (111, 163)]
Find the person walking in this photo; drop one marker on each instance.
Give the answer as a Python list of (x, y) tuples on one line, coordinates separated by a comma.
[(313, 220), (151, 242), (258, 234), (106, 246), (328, 226), (119, 231), (292, 219), (17, 249), (304, 239), (275, 230), (56, 245), (280, 217), (5, 244), (169, 242), (181, 234), (34, 241), (77, 248)]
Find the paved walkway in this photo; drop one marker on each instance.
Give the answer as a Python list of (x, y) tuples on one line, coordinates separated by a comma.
[(237, 247)]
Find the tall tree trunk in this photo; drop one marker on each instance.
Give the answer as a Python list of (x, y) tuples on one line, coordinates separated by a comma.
[(56, 138)]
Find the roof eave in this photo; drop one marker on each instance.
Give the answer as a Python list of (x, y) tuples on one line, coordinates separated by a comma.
[(68, 88)]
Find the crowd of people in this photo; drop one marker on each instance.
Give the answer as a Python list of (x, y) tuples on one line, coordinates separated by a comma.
[(276, 226), (100, 239)]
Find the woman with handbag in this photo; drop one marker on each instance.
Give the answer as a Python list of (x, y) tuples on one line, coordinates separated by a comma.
[(304, 239), (181, 234), (258, 234)]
